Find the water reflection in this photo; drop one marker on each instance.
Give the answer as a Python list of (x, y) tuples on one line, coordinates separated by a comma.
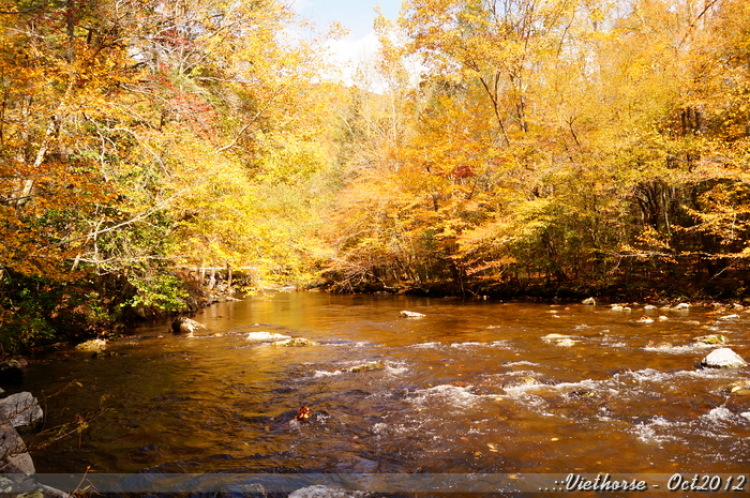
[(470, 388)]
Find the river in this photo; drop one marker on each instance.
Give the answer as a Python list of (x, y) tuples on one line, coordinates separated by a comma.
[(471, 389)]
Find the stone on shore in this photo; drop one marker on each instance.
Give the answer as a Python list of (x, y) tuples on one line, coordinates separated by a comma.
[(184, 325), (723, 358), (20, 409)]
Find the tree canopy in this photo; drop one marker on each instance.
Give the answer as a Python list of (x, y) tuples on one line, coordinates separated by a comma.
[(489, 146)]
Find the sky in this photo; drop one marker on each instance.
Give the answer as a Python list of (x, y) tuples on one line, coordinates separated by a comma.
[(356, 15)]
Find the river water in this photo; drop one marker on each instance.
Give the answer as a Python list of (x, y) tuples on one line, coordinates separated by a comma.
[(472, 388)]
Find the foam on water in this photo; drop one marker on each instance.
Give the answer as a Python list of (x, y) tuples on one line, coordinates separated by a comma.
[(459, 397)]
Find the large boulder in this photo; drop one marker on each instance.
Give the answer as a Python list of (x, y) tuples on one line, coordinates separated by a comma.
[(723, 358), (20, 409), (185, 325)]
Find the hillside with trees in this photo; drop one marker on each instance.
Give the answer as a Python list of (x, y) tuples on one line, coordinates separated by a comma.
[(515, 147)]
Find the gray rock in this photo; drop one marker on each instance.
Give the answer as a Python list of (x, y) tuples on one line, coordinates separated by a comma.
[(723, 358), (185, 325), (13, 455), (20, 409)]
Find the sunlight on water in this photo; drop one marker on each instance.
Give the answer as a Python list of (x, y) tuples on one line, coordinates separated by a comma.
[(470, 388)]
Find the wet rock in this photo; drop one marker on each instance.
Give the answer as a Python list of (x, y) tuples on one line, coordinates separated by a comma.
[(723, 358), (11, 371), (14, 459), (559, 340), (649, 307), (681, 307), (266, 337), (738, 388), (297, 342), (184, 325), (710, 339), (729, 317), (589, 301), (369, 366), (645, 319), (525, 381), (93, 345), (20, 409), (411, 314)]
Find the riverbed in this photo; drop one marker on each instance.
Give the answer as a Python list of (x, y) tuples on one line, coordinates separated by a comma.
[(473, 388)]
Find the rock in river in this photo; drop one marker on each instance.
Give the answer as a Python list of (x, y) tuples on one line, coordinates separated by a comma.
[(297, 342), (723, 358), (20, 409), (184, 325), (559, 340), (411, 314), (710, 340), (738, 388)]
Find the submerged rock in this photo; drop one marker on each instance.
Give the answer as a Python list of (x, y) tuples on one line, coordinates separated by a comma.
[(659, 345), (738, 388), (297, 342), (710, 339), (369, 366), (723, 358), (411, 314), (93, 345), (185, 325), (524, 381), (20, 409), (559, 340)]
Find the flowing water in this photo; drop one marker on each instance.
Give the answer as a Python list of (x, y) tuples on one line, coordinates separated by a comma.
[(472, 388)]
